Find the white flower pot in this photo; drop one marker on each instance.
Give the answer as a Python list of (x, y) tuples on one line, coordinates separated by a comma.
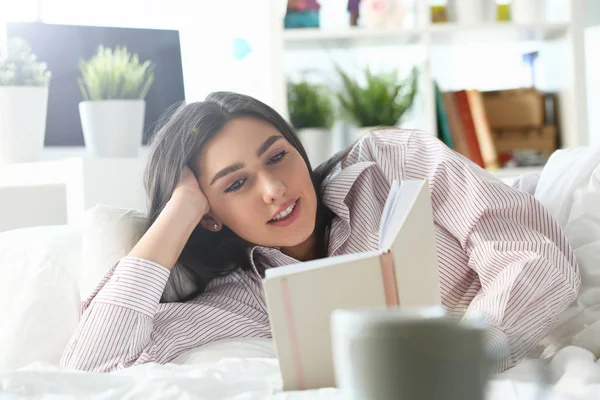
[(22, 123), (317, 143), (527, 11), (377, 14), (470, 12), (112, 128)]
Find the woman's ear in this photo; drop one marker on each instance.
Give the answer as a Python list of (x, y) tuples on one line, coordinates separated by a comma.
[(211, 223)]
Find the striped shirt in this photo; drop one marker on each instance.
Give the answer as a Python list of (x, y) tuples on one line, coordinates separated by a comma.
[(500, 256)]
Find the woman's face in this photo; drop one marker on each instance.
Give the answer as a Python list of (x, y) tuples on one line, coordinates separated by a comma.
[(258, 184)]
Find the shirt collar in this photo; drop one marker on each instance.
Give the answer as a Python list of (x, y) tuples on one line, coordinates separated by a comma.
[(338, 185)]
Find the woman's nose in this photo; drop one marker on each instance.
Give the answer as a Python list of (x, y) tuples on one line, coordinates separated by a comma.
[(274, 191)]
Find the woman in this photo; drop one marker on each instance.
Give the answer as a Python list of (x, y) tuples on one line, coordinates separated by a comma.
[(232, 193)]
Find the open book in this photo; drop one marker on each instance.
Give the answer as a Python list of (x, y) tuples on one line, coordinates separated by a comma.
[(301, 297)]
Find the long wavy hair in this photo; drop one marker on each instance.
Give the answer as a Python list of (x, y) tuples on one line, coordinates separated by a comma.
[(179, 138)]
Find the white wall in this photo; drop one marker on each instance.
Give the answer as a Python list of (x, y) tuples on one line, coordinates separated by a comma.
[(592, 50), (592, 8)]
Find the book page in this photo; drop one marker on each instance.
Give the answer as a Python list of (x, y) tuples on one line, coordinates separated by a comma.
[(390, 204), (412, 238), (317, 264), (403, 202)]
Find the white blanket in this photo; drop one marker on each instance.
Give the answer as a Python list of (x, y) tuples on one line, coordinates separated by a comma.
[(573, 374)]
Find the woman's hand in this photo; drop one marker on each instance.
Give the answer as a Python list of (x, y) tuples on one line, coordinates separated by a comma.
[(166, 238), (188, 194)]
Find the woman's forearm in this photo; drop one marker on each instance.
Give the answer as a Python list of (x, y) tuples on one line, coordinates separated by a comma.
[(165, 239)]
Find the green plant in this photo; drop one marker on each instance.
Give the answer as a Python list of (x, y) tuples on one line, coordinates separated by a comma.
[(115, 75), (310, 105), (382, 101), (19, 66)]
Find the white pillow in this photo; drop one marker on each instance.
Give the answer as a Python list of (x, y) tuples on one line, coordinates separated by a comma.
[(569, 187), (39, 299), (228, 348), (108, 234)]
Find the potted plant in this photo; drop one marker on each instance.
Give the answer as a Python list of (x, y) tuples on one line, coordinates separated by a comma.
[(381, 101), (24, 85), (114, 85), (311, 113)]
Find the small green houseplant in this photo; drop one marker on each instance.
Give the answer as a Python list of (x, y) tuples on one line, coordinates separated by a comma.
[(114, 84), (115, 74), (20, 67), (381, 101), (310, 106), (311, 112), (24, 83)]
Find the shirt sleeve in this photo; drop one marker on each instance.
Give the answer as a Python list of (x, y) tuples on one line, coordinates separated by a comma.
[(526, 268), (123, 322)]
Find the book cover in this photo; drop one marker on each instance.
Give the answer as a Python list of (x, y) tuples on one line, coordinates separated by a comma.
[(443, 126), (403, 272), (483, 130), (466, 119), (456, 130)]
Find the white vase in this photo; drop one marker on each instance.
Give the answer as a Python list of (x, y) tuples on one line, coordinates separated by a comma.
[(317, 143), (22, 123), (378, 14), (527, 11), (469, 12), (112, 128)]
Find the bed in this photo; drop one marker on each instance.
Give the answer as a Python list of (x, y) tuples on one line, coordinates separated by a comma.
[(44, 272)]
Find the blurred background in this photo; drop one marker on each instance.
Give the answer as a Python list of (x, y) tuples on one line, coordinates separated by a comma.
[(83, 83)]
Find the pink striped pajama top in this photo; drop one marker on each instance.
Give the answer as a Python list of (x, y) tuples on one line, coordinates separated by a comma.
[(500, 255)]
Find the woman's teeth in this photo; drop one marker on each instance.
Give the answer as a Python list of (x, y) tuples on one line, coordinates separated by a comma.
[(284, 213)]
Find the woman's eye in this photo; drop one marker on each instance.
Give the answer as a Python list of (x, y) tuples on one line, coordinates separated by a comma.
[(237, 185), (278, 157)]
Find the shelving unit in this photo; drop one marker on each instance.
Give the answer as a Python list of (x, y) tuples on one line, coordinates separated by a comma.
[(440, 33), (559, 44)]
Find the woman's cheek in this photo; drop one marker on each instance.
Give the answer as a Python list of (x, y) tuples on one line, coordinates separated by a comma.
[(242, 216)]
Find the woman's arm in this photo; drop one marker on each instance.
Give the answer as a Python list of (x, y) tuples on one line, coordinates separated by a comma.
[(116, 328), (124, 327), (165, 239), (525, 265)]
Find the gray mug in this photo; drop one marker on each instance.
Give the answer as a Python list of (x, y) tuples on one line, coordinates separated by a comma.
[(408, 354)]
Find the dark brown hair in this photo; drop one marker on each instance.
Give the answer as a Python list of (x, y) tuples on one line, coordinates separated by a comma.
[(180, 137)]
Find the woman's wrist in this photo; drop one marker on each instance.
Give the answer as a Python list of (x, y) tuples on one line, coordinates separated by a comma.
[(187, 205)]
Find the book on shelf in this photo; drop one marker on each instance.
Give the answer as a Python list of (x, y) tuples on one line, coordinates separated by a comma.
[(491, 128), (403, 272), (443, 126), (468, 126), (483, 131)]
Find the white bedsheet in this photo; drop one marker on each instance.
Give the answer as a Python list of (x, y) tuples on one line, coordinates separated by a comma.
[(572, 374)]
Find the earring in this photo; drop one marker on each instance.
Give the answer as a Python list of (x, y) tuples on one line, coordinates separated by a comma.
[(216, 226)]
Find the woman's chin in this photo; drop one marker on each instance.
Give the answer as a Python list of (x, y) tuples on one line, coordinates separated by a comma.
[(296, 239)]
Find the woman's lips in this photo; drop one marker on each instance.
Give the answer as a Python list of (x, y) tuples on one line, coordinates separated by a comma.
[(288, 219)]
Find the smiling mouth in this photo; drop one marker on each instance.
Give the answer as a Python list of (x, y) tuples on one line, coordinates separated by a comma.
[(285, 213)]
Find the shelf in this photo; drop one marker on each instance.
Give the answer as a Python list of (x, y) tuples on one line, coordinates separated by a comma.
[(313, 37), (443, 33), (449, 33)]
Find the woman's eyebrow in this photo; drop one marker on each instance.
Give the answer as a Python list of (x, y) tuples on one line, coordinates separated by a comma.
[(226, 171), (234, 167), (267, 143)]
